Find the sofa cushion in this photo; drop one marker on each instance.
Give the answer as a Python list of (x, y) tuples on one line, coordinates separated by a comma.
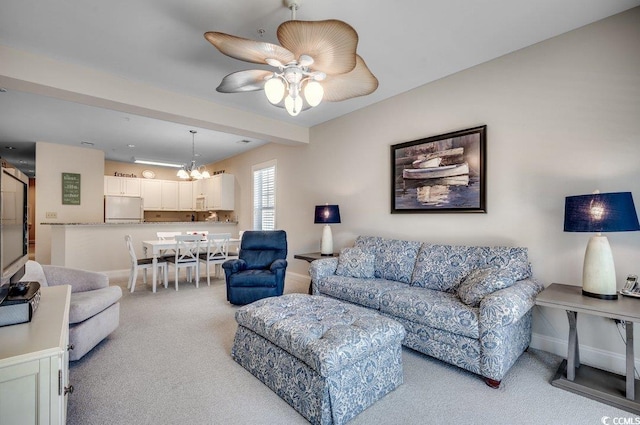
[(87, 304), (437, 309), (354, 262), (365, 292), (513, 259), (442, 267), (395, 259), (368, 243), (482, 282)]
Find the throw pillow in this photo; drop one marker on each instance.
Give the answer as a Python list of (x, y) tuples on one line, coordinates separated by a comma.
[(354, 262), (482, 282)]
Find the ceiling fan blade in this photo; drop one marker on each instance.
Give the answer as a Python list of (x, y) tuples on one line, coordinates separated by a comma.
[(248, 50), (332, 44), (358, 82), (243, 81)]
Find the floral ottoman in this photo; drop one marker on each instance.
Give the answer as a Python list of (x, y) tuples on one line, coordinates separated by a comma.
[(328, 359)]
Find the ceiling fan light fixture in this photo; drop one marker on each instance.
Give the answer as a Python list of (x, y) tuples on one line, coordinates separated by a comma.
[(293, 105), (274, 89), (309, 52), (313, 93)]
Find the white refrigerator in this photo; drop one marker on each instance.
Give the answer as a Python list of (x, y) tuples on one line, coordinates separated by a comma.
[(123, 209)]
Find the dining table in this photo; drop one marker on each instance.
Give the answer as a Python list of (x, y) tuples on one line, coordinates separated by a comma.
[(157, 246)]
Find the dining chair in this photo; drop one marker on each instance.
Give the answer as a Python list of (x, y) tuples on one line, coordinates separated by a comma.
[(187, 249), (217, 252), (144, 264), (166, 253)]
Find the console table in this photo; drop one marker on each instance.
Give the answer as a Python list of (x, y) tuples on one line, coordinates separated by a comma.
[(34, 363), (603, 386)]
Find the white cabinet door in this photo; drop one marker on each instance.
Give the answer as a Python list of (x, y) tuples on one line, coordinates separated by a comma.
[(121, 186), (130, 186), (170, 195), (112, 186), (222, 192), (185, 195), (152, 194)]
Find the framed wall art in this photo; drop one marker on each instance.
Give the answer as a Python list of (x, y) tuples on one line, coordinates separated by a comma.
[(440, 174)]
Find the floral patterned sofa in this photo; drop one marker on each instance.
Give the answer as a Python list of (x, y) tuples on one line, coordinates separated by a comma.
[(466, 305)]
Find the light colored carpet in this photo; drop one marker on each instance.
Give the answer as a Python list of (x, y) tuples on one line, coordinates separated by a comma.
[(169, 363)]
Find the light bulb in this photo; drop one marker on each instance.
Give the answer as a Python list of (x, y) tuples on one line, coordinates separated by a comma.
[(274, 89), (313, 93), (183, 174), (293, 106), (195, 174), (205, 174)]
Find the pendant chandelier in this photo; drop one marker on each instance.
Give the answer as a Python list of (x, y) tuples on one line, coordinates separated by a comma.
[(192, 171)]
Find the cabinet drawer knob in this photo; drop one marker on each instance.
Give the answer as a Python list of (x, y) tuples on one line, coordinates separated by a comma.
[(68, 390)]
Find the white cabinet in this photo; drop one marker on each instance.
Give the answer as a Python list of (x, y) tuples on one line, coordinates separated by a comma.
[(221, 195), (170, 191), (152, 194), (185, 195), (121, 186), (34, 363)]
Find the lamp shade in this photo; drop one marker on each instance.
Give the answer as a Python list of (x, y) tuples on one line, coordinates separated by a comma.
[(600, 212), (327, 214)]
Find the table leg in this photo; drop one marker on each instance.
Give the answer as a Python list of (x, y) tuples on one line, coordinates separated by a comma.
[(573, 352), (630, 362)]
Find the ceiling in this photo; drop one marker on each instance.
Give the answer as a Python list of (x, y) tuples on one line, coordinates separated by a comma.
[(160, 42)]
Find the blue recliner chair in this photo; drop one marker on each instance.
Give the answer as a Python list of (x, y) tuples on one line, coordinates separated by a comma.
[(259, 270)]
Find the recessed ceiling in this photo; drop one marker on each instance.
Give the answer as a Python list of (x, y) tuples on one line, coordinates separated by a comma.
[(160, 42)]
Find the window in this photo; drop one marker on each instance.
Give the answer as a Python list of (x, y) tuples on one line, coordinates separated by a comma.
[(264, 196)]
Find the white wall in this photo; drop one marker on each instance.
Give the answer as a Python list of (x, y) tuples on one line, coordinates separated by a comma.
[(51, 161), (563, 118)]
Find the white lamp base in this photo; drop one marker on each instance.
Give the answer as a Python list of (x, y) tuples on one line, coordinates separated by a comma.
[(327, 241), (599, 273)]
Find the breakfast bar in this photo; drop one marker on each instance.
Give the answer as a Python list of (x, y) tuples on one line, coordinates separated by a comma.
[(101, 246)]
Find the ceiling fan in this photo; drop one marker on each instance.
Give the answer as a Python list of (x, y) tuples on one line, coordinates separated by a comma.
[(316, 60)]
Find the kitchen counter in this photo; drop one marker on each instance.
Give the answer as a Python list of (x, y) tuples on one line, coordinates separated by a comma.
[(146, 223), (101, 246)]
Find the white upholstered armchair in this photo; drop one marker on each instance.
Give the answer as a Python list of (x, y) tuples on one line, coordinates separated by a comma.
[(95, 306)]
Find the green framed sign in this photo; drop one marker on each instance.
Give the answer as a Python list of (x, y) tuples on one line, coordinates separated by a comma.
[(70, 189)]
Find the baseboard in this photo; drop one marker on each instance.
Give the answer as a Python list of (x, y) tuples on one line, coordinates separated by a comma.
[(603, 359)]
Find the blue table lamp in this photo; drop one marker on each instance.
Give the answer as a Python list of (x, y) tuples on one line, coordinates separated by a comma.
[(327, 214), (598, 213)]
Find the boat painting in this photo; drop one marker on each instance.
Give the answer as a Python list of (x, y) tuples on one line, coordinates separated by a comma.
[(427, 163), (435, 172), (440, 174)]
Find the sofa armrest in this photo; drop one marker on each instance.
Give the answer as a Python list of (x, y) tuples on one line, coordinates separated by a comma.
[(507, 306), (323, 267), (278, 265), (80, 280)]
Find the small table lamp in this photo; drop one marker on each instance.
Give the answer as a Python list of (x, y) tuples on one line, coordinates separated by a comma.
[(327, 214), (600, 212)]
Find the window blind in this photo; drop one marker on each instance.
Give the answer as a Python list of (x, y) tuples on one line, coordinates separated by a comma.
[(264, 198)]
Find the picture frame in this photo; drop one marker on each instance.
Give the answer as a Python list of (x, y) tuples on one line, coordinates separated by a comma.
[(440, 174)]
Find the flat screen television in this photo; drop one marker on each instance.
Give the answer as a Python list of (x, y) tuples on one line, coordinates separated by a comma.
[(14, 236)]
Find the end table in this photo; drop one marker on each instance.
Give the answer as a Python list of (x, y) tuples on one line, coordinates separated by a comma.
[(605, 387)]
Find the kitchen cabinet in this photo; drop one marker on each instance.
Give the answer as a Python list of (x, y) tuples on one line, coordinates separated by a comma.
[(152, 194), (185, 195), (34, 363), (170, 192), (222, 193), (122, 186)]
